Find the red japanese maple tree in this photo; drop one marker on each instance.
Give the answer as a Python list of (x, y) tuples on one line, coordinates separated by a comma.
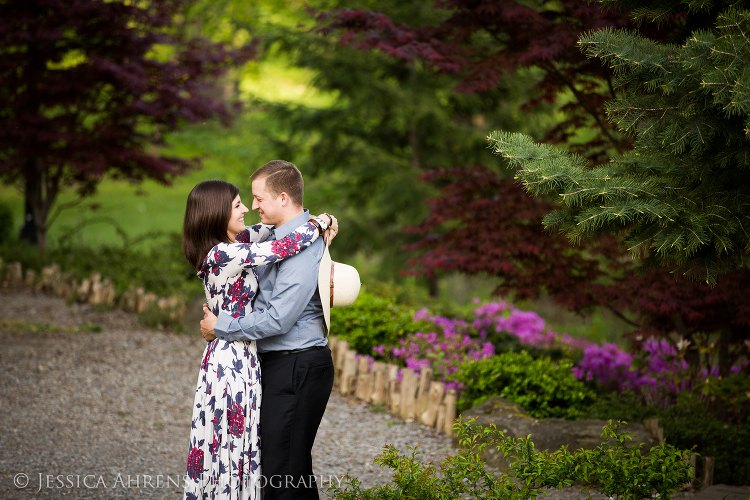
[(483, 41), (485, 223), (482, 223), (86, 86)]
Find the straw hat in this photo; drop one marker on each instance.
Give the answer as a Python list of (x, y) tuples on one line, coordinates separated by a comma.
[(338, 285)]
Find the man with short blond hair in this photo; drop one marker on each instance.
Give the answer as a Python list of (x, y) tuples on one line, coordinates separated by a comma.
[(287, 324), (282, 176)]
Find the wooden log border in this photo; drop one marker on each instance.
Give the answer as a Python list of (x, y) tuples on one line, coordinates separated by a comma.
[(413, 398), (416, 398), (707, 479), (94, 290)]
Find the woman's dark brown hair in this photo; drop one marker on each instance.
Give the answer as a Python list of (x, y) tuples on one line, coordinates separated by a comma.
[(209, 208)]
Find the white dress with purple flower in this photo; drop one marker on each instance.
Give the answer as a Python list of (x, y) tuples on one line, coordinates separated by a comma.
[(224, 447)]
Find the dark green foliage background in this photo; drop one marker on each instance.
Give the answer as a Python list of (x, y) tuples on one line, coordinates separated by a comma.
[(688, 423)]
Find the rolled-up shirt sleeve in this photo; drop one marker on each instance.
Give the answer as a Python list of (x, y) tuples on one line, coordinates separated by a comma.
[(296, 282)]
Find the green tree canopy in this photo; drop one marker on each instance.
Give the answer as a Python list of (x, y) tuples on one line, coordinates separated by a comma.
[(681, 197), (388, 121)]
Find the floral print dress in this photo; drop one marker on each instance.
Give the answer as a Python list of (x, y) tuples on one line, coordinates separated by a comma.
[(224, 447)]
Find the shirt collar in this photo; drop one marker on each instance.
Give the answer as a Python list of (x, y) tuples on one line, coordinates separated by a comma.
[(286, 228)]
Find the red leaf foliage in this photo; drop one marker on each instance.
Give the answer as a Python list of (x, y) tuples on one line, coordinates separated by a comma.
[(486, 223), (483, 223), (82, 92), (513, 35)]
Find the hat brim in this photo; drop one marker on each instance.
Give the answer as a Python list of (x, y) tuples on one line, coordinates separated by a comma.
[(324, 286)]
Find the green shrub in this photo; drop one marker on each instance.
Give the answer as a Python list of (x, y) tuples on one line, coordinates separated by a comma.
[(372, 321), (545, 388), (626, 406), (686, 424), (160, 269), (614, 469)]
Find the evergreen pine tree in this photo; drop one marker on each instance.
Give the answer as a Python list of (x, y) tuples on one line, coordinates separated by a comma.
[(681, 197)]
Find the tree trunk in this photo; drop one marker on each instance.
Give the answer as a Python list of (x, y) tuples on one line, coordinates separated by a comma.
[(36, 202), (41, 232), (434, 285), (28, 230), (692, 354), (35, 67)]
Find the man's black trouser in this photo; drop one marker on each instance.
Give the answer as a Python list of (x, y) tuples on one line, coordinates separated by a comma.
[(296, 388)]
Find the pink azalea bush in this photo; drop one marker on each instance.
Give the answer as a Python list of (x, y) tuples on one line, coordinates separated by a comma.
[(528, 326), (604, 364), (443, 352), (609, 366), (656, 371)]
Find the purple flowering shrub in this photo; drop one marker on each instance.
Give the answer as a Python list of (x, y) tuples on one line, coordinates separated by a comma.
[(528, 326), (656, 371), (609, 366), (442, 351)]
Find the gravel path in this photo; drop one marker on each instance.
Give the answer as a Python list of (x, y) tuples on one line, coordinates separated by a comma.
[(107, 415), (82, 411)]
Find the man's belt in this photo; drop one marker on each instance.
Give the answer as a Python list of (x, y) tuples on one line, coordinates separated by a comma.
[(274, 354)]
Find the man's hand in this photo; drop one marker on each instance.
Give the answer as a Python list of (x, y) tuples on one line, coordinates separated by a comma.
[(332, 230), (208, 323)]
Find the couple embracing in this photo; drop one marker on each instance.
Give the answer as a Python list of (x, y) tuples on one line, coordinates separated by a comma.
[(263, 310)]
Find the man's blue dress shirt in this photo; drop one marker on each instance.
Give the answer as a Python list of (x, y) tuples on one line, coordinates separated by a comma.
[(287, 313)]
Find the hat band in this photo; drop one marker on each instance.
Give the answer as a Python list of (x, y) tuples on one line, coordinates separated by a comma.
[(331, 284)]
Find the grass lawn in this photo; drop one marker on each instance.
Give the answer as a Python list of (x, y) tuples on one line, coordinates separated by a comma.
[(119, 206), (231, 154)]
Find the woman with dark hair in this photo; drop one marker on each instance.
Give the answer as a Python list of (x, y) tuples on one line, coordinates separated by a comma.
[(224, 447)]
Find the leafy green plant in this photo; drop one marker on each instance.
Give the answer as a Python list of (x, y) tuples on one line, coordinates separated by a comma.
[(372, 321), (689, 423), (728, 397), (625, 405), (545, 388), (613, 468), (160, 269)]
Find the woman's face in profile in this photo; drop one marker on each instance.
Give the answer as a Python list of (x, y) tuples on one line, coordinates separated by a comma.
[(237, 219)]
